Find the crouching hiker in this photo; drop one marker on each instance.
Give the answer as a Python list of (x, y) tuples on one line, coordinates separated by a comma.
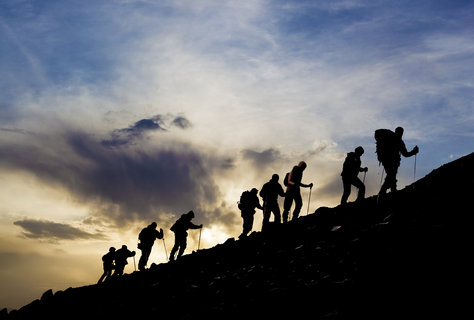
[(108, 263), (180, 228), (147, 237), (121, 256)]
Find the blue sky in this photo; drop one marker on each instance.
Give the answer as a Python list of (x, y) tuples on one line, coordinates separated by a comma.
[(118, 113)]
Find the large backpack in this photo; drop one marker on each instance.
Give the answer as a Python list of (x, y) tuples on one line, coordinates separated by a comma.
[(245, 200), (385, 143)]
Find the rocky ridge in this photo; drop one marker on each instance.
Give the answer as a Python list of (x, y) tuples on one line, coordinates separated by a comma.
[(400, 256)]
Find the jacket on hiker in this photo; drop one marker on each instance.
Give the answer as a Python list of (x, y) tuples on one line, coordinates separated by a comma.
[(270, 191), (294, 179), (148, 235), (121, 256), (351, 166), (248, 202), (108, 259), (181, 226)]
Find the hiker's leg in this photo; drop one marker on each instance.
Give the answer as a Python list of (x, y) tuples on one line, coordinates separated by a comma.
[(182, 246), (298, 205), (346, 184), (360, 185), (266, 215), (276, 212), (287, 205), (144, 258), (175, 248)]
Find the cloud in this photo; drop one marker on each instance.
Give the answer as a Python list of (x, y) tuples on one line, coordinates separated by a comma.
[(48, 230), (261, 159), (126, 183), (124, 136)]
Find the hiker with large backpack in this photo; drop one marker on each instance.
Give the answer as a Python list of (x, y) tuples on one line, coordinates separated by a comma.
[(293, 183), (389, 146), (146, 239), (269, 193), (350, 171), (247, 204), (180, 228)]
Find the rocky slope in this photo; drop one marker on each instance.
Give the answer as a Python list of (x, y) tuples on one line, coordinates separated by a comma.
[(402, 256)]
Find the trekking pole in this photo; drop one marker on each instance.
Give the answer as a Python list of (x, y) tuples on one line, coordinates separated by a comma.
[(166, 253), (199, 241), (134, 264), (309, 200), (365, 173), (414, 174)]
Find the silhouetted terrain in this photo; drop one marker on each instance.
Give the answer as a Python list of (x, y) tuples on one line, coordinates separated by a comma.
[(404, 256)]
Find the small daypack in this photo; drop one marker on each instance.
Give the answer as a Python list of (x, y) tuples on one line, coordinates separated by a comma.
[(285, 181)]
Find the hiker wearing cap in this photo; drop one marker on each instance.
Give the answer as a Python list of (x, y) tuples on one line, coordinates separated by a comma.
[(269, 193), (146, 239), (293, 193), (247, 204), (180, 228), (121, 256), (108, 264), (389, 148), (350, 171)]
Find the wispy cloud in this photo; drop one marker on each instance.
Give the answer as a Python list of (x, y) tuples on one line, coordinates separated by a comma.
[(49, 230)]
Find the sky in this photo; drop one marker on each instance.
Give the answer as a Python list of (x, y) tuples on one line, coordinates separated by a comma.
[(115, 114)]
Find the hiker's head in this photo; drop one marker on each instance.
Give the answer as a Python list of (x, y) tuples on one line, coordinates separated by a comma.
[(359, 151), (190, 214), (124, 247), (399, 131), (153, 225), (302, 165), (111, 249), (275, 177), (254, 190)]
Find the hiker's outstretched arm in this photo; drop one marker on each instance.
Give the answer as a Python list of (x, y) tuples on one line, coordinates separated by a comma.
[(405, 153)]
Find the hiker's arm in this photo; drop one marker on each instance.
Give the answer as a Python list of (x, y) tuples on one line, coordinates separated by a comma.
[(306, 185), (193, 226), (160, 234), (281, 193), (405, 153)]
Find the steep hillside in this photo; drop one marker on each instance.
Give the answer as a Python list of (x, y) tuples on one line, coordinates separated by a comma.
[(402, 256)]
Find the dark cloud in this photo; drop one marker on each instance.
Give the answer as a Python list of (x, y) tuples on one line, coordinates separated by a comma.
[(121, 184), (261, 159), (124, 136), (181, 122), (48, 230)]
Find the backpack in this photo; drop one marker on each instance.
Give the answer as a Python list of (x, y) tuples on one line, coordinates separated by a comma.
[(385, 143), (245, 200), (285, 181)]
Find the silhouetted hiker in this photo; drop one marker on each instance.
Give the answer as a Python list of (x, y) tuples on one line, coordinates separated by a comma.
[(180, 228), (350, 170), (269, 193), (121, 256), (147, 237), (293, 184), (247, 204), (108, 262), (389, 147)]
